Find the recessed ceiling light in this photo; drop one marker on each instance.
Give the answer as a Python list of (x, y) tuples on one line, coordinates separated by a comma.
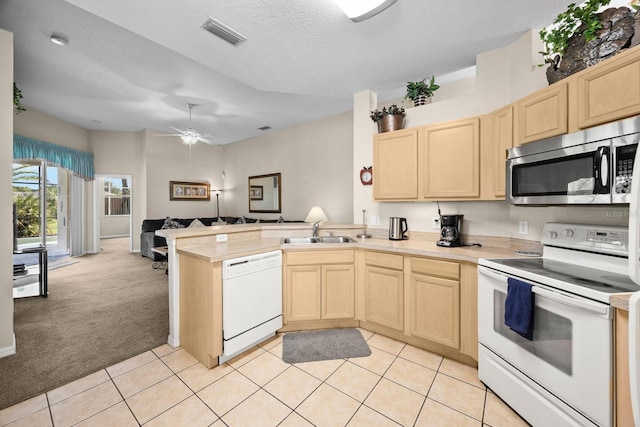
[(358, 11), (59, 39)]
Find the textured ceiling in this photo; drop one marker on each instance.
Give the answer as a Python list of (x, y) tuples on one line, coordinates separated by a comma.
[(133, 65)]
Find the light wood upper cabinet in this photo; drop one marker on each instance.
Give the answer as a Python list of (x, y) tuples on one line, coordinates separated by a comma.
[(502, 133), (609, 90), (395, 168), (319, 285), (449, 160), (435, 301), (384, 289), (542, 114)]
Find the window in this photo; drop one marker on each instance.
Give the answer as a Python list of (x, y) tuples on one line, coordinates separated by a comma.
[(116, 197)]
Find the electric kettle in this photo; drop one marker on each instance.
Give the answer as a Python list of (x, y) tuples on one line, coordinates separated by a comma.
[(398, 228)]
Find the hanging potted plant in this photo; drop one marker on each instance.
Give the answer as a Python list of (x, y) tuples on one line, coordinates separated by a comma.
[(17, 96), (418, 92), (389, 118)]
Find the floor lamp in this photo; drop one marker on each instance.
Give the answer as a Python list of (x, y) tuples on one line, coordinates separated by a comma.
[(217, 202)]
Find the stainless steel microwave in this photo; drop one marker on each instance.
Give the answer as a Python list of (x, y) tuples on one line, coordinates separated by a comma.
[(593, 166)]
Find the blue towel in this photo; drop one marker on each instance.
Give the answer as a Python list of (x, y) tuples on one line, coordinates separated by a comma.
[(519, 307)]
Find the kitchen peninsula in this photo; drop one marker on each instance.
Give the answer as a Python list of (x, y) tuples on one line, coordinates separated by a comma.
[(410, 290)]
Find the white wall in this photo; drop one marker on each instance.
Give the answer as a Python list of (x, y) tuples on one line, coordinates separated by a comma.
[(315, 160), (6, 227), (122, 153), (503, 75), (37, 125), (167, 159)]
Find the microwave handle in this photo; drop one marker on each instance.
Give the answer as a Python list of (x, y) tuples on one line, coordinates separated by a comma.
[(634, 222), (601, 171)]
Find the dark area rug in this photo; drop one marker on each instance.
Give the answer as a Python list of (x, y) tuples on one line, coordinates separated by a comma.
[(311, 346)]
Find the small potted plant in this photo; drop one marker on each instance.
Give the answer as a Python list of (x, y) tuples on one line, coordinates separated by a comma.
[(418, 92), (389, 118)]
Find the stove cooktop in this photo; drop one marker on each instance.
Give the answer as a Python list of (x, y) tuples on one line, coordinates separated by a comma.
[(599, 280)]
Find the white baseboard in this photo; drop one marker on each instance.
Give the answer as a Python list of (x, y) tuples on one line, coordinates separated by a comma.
[(8, 351)]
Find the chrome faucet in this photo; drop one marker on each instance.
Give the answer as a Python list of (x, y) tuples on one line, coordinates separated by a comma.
[(316, 225)]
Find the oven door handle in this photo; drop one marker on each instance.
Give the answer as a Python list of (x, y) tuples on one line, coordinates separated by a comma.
[(570, 301), (561, 298)]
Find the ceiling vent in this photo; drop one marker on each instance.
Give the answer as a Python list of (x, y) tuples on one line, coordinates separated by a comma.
[(217, 28), (264, 128)]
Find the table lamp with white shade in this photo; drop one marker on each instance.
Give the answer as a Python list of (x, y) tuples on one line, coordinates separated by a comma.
[(316, 215)]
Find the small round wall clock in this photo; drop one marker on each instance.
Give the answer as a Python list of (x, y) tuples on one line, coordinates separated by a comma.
[(366, 175)]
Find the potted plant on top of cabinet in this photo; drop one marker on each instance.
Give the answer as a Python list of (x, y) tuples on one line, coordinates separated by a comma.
[(581, 37), (389, 118), (418, 92), (17, 96)]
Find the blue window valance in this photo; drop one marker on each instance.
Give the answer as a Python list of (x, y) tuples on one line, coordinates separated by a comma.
[(76, 161)]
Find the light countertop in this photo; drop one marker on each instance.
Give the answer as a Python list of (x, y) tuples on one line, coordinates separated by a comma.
[(621, 301), (221, 251)]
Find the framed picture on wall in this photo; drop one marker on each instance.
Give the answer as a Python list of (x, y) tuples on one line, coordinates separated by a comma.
[(180, 190), (255, 192)]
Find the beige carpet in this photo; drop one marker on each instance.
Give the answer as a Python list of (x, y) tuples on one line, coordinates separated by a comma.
[(103, 309)]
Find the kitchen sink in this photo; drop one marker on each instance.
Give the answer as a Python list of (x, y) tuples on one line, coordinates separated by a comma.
[(307, 240)]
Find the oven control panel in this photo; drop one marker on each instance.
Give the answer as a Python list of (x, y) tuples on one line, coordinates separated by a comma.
[(593, 238)]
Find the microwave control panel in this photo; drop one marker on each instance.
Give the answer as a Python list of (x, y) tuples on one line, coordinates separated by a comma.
[(624, 168)]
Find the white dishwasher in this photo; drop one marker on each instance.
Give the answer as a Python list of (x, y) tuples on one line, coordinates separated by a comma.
[(251, 301)]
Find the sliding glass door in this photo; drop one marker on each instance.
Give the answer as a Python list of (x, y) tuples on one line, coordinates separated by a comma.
[(40, 198)]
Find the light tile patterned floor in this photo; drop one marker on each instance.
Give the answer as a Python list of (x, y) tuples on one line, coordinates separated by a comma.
[(397, 385)]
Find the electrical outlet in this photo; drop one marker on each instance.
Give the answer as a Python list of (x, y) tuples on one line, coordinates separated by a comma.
[(436, 223), (523, 227), (221, 237), (374, 220)]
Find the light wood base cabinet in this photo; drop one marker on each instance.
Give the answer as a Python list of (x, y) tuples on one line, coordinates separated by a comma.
[(384, 289), (201, 309), (319, 285), (435, 301), (338, 291), (623, 412), (303, 292)]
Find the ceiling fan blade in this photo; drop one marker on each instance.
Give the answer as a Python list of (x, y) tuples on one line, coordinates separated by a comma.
[(167, 134), (182, 132)]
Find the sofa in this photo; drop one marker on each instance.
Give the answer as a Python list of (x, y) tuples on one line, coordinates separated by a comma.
[(149, 240)]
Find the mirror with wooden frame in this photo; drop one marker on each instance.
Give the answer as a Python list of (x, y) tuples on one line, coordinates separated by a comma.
[(265, 193)]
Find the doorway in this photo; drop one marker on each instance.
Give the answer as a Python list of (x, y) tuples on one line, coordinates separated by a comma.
[(112, 207)]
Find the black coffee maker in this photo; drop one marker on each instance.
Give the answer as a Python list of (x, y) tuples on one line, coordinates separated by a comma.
[(450, 227)]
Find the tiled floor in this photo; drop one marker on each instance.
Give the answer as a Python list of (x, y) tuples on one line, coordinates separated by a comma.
[(397, 385)]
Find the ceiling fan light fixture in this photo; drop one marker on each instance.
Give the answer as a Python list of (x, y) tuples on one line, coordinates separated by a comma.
[(189, 139), (359, 11), (59, 39)]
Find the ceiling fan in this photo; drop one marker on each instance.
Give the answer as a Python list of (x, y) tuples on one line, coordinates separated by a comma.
[(189, 136)]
